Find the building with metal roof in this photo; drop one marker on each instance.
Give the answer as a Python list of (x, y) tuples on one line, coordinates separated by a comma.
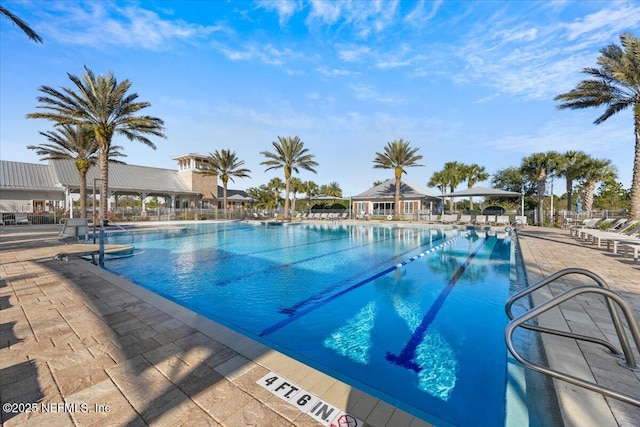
[(379, 200), (29, 187)]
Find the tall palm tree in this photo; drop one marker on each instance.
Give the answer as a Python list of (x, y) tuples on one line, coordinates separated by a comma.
[(596, 170), (537, 168), (22, 25), (397, 156), (103, 104), (311, 189), (615, 84), (275, 186), (473, 173), (572, 167), (439, 180), (454, 174), (289, 155), (296, 186), (226, 165), (77, 143), (331, 189)]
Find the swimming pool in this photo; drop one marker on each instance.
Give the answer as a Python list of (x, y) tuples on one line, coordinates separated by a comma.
[(412, 315)]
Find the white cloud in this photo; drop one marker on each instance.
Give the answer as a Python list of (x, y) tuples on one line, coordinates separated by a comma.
[(102, 24), (420, 16), (284, 8), (268, 54), (513, 56), (352, 53), (368, 92), (333, 72)]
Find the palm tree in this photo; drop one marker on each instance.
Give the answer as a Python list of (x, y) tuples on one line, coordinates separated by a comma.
[(397, 156), (290, 155), (104, 105), (439, 180), (537, 168), (596, 170), (311, 189), (572, 167), (76, 143), (22, 25), (473, 173), (297, 186), (331, 189), (454, 174), (276, 186), (614, 85), (226, 165)]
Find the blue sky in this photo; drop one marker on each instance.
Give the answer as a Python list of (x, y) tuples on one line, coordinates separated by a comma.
[(471, 81)]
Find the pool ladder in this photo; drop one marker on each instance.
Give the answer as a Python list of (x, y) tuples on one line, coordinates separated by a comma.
[(611, 297)]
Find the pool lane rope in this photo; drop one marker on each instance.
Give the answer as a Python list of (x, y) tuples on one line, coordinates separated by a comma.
[(284, 322)]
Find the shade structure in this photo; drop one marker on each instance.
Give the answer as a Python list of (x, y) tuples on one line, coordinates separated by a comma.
[(482, 191)]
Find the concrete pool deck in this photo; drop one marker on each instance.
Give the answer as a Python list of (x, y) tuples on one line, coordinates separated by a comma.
[(116, 354)]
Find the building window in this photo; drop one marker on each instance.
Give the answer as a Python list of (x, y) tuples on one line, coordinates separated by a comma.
[(408, 207)]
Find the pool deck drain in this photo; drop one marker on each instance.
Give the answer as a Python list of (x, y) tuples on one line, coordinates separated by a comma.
[(94, 349)]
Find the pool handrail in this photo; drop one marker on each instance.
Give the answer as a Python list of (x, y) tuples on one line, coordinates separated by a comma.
[(564, 296), (622, 337)]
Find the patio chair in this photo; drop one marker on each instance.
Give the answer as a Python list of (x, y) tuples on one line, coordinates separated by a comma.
[(598, 236), (586, 224), (74, 228), (491, 219), (520, 221), (464, 219), (502, 220), (481, 220), (21, 219)]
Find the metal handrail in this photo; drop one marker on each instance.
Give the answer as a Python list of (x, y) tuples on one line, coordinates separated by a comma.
[(566, 295), (622, 337)]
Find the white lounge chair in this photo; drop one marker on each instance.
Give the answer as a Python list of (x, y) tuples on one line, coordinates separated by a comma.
[(598, 236), (21, 219), (464, 219), (74, 228), (586, 224), (481, 220), (502, 220), (633, 247), (521, 221)]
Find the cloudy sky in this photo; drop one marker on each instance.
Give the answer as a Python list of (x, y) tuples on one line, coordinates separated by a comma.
[(471, 81)]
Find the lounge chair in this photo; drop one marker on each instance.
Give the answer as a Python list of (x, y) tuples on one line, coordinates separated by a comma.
[(74, 228), (21, 219), (491, 219), (586, 224), (521, 221), (464, 219), (598, 236), (633, 247), (502, 220), (614, 227), (481, 220)]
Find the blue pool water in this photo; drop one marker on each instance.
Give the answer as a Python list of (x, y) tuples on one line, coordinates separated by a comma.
[(412, 315)]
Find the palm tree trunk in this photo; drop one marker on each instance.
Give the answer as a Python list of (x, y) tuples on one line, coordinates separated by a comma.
[(287, 179), (542, 178), (104, 176), (589, 191), (569, 192), (396, 196), (224, 198), (83, 195), (634, 204)]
